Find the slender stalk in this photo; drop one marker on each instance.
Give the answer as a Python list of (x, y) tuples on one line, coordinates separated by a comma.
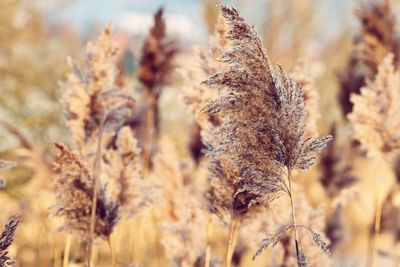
[(233, 234), (67, 250), (295, 232), (377, 227), (137, 237), (208, 242), (57, 254), (149, 131), (112, 252), (96, 176)]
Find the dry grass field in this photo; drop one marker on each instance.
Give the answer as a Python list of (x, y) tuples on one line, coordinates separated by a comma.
[(260, 146)]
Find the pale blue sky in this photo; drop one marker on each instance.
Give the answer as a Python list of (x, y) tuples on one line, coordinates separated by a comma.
[(85, 14)]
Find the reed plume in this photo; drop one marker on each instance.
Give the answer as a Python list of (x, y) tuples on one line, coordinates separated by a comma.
[(376, 38), (6, 240), (302, 75), (74, 184), (338, 180), (260, 140), (95, 104), (375, 123), (91, 94), (336, 164), (123, 170), (97, 107), (156, 65), (374, 116)]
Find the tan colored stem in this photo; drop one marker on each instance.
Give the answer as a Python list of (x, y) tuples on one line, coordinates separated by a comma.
[(233, 234), (208, 242), (136, 231), (149, 132), (295, 232), (377, 227), (112, 252), (67, 249), (57, 257), (96, 177)]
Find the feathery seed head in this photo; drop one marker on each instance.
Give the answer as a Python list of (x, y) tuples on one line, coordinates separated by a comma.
[(74, 185), (6, 240), (262, 127)]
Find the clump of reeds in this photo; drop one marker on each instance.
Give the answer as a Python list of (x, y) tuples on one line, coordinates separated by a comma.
[(260, 140), (155, 72), (97, 107), (6, 240), (376, 38)]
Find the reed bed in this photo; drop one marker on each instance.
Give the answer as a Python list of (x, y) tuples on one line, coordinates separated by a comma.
[(232, 153)]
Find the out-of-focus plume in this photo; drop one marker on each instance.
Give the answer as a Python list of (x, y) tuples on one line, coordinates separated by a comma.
[(376, 38), (90, 94), (123, 175), (375, 113), (336, 167), (210, 14), (184, 232), (96, 110), (155, 70), (196, 94), (74, 186)]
